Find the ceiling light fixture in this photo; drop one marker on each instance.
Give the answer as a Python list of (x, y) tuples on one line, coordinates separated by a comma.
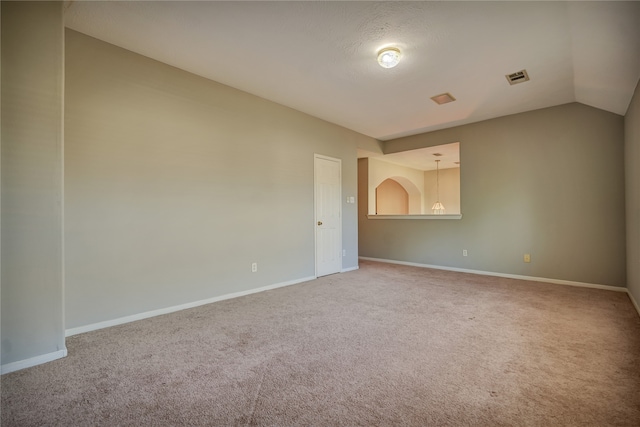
[(438, 208), (389, 57)]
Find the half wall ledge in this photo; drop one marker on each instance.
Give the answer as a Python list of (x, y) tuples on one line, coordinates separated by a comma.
[(445, 216)]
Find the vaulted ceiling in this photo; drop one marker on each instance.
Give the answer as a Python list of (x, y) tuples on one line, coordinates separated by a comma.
[(320, 57)]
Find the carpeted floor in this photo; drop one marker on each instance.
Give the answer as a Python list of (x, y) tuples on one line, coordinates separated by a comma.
[(386, 345)]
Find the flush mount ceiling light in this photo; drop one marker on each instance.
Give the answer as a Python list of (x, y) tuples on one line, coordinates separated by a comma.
[(389, 57)]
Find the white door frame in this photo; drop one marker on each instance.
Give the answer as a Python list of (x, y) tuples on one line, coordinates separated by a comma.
[(315, 209)]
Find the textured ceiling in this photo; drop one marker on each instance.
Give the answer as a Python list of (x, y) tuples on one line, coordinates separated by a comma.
[(319, 57)]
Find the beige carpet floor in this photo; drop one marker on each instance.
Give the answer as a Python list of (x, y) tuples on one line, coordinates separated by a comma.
[(386, 345)]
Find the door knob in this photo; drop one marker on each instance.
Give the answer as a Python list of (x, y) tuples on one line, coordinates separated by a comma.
[(319, 222)]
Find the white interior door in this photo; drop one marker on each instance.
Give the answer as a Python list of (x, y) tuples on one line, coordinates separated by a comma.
[(328, 221)]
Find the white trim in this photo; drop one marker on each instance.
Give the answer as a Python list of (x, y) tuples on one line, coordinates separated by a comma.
[(510, 276), (166, 310), (445, 216), (635, 303), (33, 361), (63, 271), (345, 270)]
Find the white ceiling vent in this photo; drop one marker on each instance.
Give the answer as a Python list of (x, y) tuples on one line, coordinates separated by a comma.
[(518, 77)]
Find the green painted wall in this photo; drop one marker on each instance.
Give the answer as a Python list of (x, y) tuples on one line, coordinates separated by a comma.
[(32, 189), (175, 184), (548, 182), (632, 181)]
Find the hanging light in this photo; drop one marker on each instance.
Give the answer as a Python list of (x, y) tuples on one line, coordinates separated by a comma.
[(438, 208)]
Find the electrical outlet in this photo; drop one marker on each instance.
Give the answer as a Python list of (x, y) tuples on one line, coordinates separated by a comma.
[(464, 252), (344, 252), (254, 267), (527, 258)]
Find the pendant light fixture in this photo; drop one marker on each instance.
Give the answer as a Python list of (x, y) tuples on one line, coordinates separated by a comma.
[(438, 208)]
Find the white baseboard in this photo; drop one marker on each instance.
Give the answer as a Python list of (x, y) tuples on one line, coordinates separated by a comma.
[(635, 303), (345, 270), (167, 310), (33, 361), (509, 276)]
